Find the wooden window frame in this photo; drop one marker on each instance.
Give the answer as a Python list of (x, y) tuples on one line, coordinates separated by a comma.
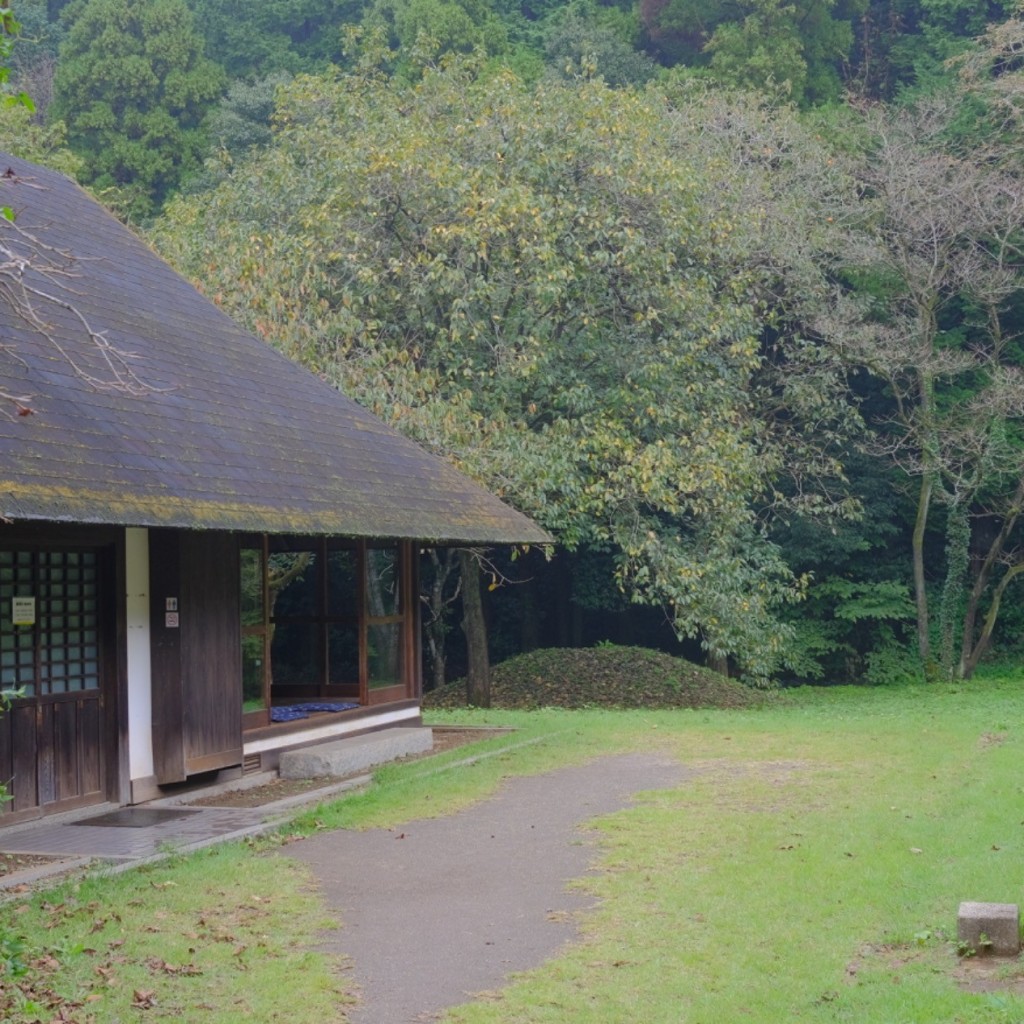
[(321, 688)]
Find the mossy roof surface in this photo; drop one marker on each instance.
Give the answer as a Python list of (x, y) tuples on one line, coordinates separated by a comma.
[(227, 434)]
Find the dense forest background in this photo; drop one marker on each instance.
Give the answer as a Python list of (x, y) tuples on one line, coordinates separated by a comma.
[(727, 295)]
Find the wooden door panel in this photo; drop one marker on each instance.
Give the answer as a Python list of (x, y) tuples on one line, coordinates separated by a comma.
[(90, 715), (65, 750), (51, 753), (46, 768), (21, 730), (197, 664), (55, 746)]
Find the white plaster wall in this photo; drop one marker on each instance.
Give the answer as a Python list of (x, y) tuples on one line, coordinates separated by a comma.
[(140, 699)]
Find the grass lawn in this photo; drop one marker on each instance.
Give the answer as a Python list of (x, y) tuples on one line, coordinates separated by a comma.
[(809, 869)]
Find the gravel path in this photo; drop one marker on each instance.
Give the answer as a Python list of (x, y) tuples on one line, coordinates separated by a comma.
[(436, 910)]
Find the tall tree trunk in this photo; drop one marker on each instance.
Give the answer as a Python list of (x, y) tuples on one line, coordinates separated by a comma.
[(958, 554), (563, 600), (437, 600), (718, 663), (920, 592), (970, 663), (474, 625), (530, 633), (971, 649)]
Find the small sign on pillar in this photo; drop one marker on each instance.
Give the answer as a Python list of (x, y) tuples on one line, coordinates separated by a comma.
[(23, 611)]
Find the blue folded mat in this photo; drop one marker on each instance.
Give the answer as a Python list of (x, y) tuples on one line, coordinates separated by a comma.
[(292, 712)]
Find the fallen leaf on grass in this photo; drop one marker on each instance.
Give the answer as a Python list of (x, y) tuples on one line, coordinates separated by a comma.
[(144, 999), (158, 966)]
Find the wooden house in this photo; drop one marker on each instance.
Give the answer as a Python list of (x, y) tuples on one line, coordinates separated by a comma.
[(197, 535)]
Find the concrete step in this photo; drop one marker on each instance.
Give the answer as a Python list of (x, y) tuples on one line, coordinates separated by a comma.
[(343, 757)]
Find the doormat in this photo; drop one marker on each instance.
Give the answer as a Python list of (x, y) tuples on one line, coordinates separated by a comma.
[(137, 817)]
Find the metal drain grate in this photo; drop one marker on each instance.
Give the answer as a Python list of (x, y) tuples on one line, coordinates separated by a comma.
[(137, 817)]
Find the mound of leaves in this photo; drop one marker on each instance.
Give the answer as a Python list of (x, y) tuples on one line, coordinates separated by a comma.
[(619, 677)]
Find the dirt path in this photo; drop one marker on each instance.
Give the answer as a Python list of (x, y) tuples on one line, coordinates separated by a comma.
[(435, 911)]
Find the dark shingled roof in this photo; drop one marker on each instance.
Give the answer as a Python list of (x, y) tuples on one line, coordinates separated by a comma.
[(232, 435)]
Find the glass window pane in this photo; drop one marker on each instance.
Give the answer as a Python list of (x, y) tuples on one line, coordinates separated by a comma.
[(342, 584), (382, 590), (251, 581), (384, 654), (292, 584), (252, 673), (343, 654), (294, 657)]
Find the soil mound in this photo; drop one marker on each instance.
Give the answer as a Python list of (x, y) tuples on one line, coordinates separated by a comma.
[(620, 677)]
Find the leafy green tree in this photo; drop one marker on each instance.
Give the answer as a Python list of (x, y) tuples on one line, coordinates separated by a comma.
[(9, 28), (793, 50), (43, 144), (240, 122), (537, 283), (938, 261), (444, 26), (133, 86), (34, 60), (252, 40), (242, 118), (905, 44), (578, 45)]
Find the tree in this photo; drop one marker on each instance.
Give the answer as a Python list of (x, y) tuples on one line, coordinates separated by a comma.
[(9, 28), (240, 122), (791, 50), (41, 143), (34, 60), (34, 275), (579, 43), (440, 26), (938, 260), (133, 87), (478, 668), (536, 283), (253, 40)]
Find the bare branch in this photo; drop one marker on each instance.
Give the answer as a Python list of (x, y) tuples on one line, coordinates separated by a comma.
[(36, 278)]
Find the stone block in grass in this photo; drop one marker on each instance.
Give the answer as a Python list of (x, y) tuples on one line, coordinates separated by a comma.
[(991, 929)]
